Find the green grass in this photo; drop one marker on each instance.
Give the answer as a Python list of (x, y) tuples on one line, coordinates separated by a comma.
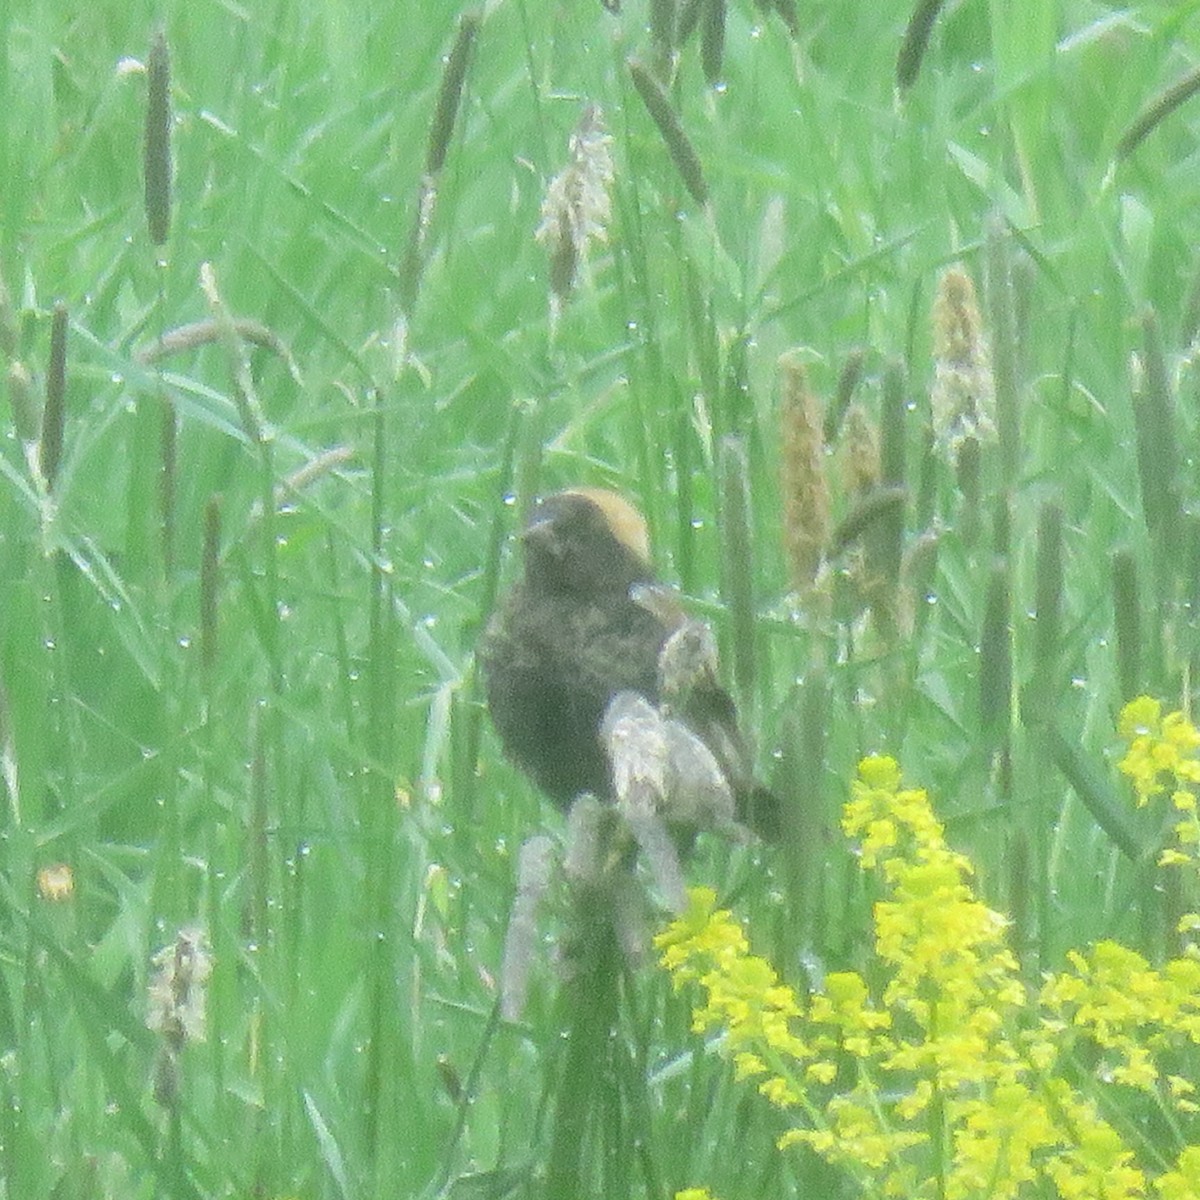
[(323, 795)]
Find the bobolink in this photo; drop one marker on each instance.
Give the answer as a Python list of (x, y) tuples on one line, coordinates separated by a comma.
[(585, 622)]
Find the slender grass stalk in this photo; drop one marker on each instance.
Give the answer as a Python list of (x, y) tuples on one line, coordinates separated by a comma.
[(1093, 787), (916, 41), (590, 1007), (1191, 601), (662, 34), (9, 767), (684, 441), (1157, 441), (157, 146), (275, 801), (168, 472), (466, 757), (1157, 111), (893, 453), (379, 818), (527, 463), (54, 412), (210, 583), (737, 416), (712, 40), (441, 130), (212, 732), (995, 657), (737, 558), (921, 573), (885, 544), (451, 92), (1048, 605), (1002, 321), (679, 146), (10, 334), (260, 929), (1189, 327), (26, 408), (1127, 621), (690, 12), (849, 377), (1002, 527), (799, 780), (205, 333)]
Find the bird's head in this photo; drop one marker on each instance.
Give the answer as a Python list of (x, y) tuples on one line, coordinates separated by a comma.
[(586, 540)]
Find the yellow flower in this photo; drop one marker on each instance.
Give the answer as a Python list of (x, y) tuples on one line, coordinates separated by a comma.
[(880, 771), (936, 1071), (743, 994), (780, 1092), (1162, 751), (1184, 1182), (1139, 717), (747, 1065)]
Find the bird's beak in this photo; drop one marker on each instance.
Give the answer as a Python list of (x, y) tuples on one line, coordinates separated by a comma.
[(540, 530)]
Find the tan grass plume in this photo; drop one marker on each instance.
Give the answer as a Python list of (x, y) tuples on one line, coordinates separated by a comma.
[(577, 206), (806, 505), (964, 388)]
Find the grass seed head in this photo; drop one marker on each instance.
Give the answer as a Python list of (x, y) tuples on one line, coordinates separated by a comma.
[(210, 582), (577, 206), (679, 145), (178, 990), (157, 146), (964, 390), (859, 452), (802, 470), (450, 93), (26, 416)]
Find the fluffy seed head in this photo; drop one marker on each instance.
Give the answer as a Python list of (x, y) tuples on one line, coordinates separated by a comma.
[(802, 470), (577, 208), (178, 989), (859, 452), (964, 389)]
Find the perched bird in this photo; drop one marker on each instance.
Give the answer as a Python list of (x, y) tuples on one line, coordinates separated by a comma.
[(585, 622)]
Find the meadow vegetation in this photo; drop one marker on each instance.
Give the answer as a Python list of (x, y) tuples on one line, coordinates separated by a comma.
[(886, 319)]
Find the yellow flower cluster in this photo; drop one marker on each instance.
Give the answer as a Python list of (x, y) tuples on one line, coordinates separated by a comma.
[(1164, 752), (957, 1082), (1134, 1015), (1164, 759)]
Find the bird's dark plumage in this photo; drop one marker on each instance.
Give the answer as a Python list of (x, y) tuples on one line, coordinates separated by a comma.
[(584, 622)]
